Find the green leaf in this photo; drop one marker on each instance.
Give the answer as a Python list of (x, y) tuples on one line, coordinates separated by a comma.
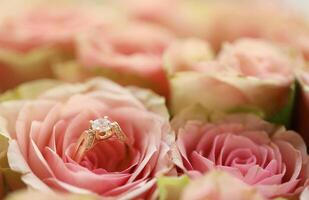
[(284, 116), (170, 188)]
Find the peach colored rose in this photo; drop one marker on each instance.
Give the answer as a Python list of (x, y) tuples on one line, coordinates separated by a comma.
[(269, 157), (129, 53), (218, 185), (247, 74), (43, 133), (33, 39)]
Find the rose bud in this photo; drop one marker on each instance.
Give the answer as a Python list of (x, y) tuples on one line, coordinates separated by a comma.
[(129, 53), (269, 157), (247, 75), (90, 138)]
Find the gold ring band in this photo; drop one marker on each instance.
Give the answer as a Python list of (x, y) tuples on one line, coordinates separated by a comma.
[(100, 129)]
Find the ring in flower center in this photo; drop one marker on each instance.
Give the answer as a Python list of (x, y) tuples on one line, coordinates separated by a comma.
[(100, 129)]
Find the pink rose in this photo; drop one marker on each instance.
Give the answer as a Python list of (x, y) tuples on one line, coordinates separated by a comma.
[(48, 26), (247, 74), (35, 38), (128, 53), (271, 158), (43, 133), (218, 185)]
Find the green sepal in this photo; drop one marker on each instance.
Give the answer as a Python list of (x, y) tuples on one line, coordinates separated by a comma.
[(284, 116)]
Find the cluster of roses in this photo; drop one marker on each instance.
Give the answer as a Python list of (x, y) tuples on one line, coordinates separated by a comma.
[(233, 80)]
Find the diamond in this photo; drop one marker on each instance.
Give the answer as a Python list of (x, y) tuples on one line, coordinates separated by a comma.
[(101, 125)]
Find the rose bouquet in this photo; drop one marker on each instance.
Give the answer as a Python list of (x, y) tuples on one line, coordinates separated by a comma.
[(169, 100)]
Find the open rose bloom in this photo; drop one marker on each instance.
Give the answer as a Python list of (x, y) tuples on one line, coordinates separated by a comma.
[(153, 99), (43, 134), (271, 158), (248, 74)]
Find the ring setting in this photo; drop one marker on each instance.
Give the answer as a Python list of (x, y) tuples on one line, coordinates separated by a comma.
[(100, 129)]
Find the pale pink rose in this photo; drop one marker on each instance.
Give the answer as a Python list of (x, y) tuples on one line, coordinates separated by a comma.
[(247, 74), (33, 39), (133, 50), (268, 157), (218, 185), (43, 133)]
